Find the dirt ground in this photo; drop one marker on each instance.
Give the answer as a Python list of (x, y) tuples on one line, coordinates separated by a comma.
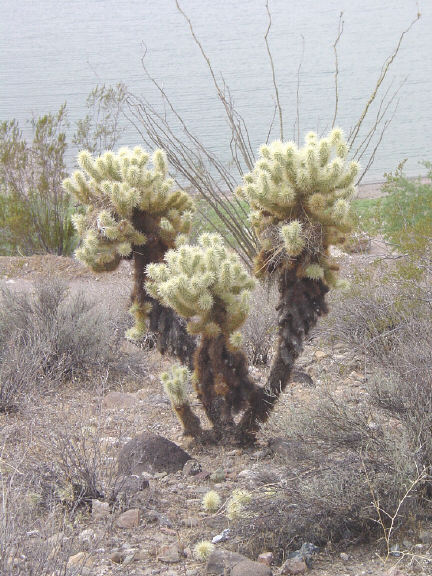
[(171, 511)]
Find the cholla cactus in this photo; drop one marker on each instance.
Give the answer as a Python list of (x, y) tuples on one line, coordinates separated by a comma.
[(203, 549), (175, 384), (131, 209), (211, 501), (205, 283), (236, 503), (299, 202)]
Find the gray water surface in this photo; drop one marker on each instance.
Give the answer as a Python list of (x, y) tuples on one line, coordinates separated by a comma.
[(53, 51)]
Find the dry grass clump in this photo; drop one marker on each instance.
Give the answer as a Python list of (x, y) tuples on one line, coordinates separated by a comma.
[(49, 336), (260, 329)]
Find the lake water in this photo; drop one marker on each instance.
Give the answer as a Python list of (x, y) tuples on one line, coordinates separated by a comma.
[(57, 50)]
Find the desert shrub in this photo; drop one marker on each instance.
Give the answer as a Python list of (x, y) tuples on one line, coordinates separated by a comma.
[(35, 212), (406, 210), (260, 329), (48, 336), (102, 126), (361, 468)]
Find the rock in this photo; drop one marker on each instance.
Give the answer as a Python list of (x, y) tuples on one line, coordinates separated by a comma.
[(344, 557), (266, 558), (100, 509), (192, 468), (221, 561), (250, 568), (81, 561), (119, 400), (170, 554), (294, 565), (117, 557), (218, 475), (222, 537), (86, 536), (151, 453), (129, 519), (129, 485), (320, 354), (395, 572)]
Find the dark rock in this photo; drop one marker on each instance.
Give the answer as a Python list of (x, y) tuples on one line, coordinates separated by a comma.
[(151, 453), (192, 468), (293, 566), (221, 561)]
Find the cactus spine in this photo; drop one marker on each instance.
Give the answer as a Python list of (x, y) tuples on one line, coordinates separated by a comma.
[(130, 211)]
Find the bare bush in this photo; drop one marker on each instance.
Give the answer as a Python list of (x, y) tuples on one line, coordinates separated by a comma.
[(48, 336), (364, 467), (260, 328)]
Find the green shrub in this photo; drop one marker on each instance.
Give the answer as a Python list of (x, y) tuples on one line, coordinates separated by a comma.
[(35, 212)]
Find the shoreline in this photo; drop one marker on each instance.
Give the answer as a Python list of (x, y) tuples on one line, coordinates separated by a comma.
[(373, 189)]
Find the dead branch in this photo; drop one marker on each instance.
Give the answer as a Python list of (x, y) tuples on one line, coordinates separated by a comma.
[(340, 32), (279, 107)]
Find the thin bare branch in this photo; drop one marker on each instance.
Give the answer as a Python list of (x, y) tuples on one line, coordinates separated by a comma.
[(340, 32), (276, 89), (298, 92)]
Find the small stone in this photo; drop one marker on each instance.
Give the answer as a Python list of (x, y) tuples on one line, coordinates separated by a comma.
[(344, 557), (117, 557), (81, 560), (221, 561), (129, 519), (320, 354), (119, 400), (169, 554), (293, 566), (86, 536), (250, 568), (266, 558), (218, 475), (192, 468), (100, 509)]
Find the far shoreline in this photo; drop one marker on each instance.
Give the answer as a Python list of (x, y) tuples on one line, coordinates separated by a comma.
[(374, 189)]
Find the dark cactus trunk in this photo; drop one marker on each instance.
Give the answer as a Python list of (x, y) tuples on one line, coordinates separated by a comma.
[(301, 303)]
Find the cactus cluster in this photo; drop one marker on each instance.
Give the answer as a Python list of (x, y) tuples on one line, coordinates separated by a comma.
[(300, 206), (129, 207), (115, 189), (206, 284)]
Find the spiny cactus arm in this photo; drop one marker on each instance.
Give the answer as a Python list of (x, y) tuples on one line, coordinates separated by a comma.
[(175, 384)]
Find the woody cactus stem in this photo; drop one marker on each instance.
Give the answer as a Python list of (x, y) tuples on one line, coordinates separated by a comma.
[(301, 303), (175, 384)]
